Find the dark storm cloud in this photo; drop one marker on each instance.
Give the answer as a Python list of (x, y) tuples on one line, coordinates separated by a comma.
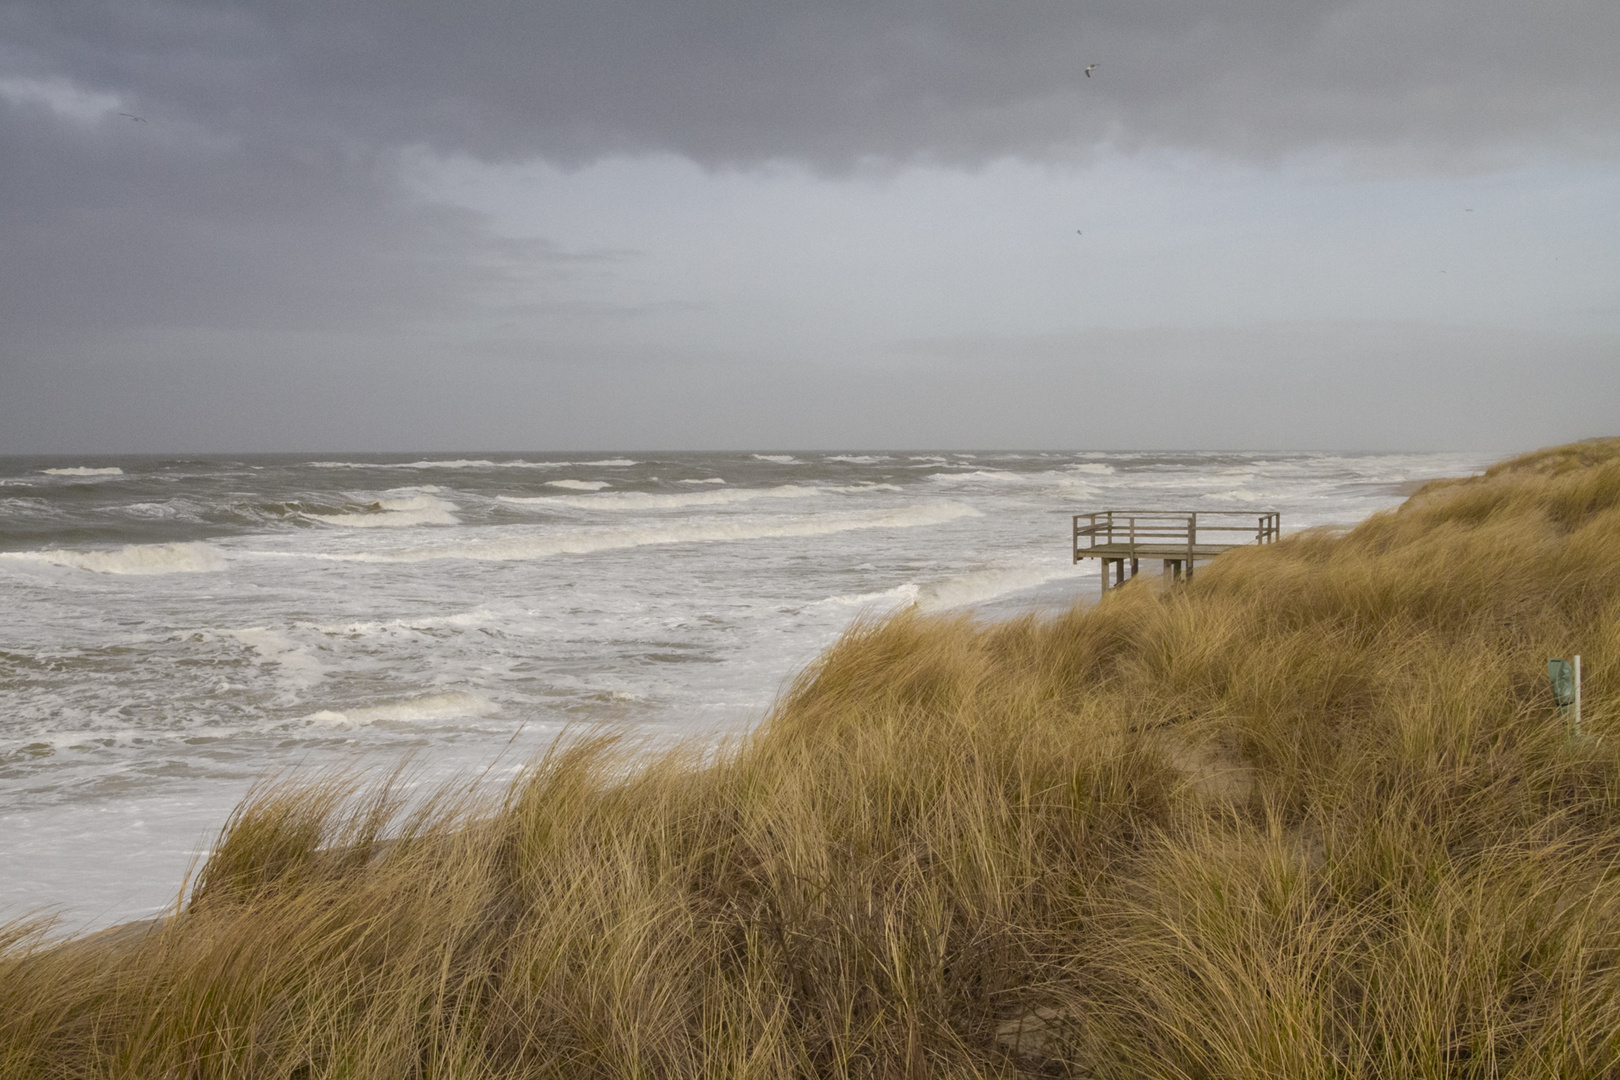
[(261, 195), (834, 81)]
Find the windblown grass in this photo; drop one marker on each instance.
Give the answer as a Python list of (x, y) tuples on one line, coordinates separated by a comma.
[(1313, 815)]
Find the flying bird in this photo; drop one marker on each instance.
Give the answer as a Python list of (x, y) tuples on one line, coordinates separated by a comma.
[(1089, 68), (132, 116)]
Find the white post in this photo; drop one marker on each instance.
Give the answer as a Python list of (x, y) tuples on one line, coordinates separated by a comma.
[(1577, 696)]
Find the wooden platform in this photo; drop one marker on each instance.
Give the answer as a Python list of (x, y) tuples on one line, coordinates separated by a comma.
[(1178, 538)]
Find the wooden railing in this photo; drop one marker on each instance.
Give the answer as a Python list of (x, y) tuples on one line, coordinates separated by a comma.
[(1123, 532)]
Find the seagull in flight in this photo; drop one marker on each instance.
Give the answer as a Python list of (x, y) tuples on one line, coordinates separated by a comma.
[(132, 116), (1089, 68)]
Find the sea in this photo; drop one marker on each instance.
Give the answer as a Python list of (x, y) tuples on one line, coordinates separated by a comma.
[(176, 628)]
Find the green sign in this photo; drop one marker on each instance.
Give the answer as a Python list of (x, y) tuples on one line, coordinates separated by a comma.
[(1563, 682)]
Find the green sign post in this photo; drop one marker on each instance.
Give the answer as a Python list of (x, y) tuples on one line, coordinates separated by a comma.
[(1566, 687)]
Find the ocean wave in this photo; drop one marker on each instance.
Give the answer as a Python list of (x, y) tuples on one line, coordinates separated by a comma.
[(652, 500), (516, 548), (1092, 467), (956, 592), (859, 459), (292, 659), (420, 509), (1000, 476), (189, 558), (414, 711), (81, 470), (475, 463), (579, 485), (981, 585), (778, 459), (899, 596), (705, 480)]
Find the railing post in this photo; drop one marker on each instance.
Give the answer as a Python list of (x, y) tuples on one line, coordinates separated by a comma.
[(1192, 540)]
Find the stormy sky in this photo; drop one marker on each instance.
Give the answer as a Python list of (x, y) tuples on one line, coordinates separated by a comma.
[(663, 224)]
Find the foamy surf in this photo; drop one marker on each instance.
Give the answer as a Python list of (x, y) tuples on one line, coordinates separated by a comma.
[(83, 470), (475, 463), (964, 590), (579, 485), (420, 509), (518, 548), (422, 710), (652, 500), (192, 558)]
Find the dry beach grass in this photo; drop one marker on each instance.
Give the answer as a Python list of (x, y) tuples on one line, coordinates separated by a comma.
[(1312, 815)]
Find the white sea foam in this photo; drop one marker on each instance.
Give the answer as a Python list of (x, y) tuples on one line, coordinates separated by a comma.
[(296, 664), (190, 558), (883, 599), (579, 485), (961, 591), (81, 470), (652, 500), (414, 711), (997, 475), (705, 480), (521, 547), (419, 509), (1095, 467), (778, 459), (473, 463), (981, 585), (859, 459)]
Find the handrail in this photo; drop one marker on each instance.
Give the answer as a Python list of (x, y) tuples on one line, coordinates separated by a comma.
[(1135, 526)]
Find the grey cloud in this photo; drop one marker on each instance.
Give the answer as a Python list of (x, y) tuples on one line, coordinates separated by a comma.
[(256, 225), (836, 81)]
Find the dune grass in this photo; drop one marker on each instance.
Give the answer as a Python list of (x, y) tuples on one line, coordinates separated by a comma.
[(1312, 815)]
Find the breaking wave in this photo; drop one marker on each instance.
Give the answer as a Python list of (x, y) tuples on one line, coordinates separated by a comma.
[(474, 463), (415, 711), (80, 470), (579, 485), (586, 541), (650, 500), (190, 558), (420, 509)]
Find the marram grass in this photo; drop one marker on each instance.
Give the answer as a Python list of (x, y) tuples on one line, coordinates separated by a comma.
[(1313, 815)]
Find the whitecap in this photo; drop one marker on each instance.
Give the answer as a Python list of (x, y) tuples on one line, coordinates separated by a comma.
[(705, 480), (778, 459), (898, 596), (189, 558), (997, 475), (472, 463), (520, 547), (859, 459), (80, 470), (652, 500), (301, 669), (981, 585), (422, 509), (579, 485), (420, 710)]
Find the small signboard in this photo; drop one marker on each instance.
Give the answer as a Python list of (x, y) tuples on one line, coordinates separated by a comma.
[(1562, 674)]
